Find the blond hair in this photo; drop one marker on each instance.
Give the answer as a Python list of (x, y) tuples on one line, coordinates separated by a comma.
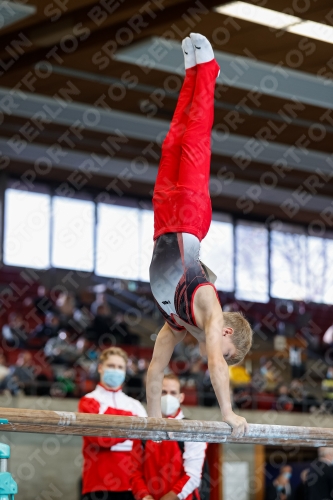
[(172, 376), (241, 337), (113, 351)]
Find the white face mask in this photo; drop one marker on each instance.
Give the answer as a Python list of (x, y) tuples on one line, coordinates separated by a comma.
[(169, 404)]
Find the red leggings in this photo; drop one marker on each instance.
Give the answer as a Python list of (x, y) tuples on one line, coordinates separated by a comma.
[(181, 196)]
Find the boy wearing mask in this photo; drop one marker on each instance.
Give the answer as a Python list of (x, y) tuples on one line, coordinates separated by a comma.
[(167, 470), (281, 488), (106, 461)]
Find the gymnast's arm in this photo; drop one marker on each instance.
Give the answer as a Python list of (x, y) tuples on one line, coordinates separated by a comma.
[(164, 346), (208, 314)]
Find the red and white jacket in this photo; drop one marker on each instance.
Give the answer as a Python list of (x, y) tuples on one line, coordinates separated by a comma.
[(107, 461), (160, 467)]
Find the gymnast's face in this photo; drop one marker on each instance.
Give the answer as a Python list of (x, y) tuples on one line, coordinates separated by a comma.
[(228, 347)]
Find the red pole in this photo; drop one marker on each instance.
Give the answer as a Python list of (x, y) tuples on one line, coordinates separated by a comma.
[(214, 457)]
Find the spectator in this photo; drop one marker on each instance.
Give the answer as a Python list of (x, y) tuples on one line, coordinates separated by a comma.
[(81, 321), (187, 353), (48, 329), (107, 475), (4, 370), (134, 384), (14, 333), (143, 365), (300, 491), (303, 400), (281, 489), (207, 393), (42, 302), (120, 330), (65, 304), (100, 306), (328, 338), (21, 376), (319, 481), (64, 385), (283, 400), (327, 386), (267, 378), (88, 360), (101, 323), (177, 467), (60, 350), (295, 361)]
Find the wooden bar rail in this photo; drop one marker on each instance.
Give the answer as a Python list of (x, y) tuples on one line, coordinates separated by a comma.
[(159, 429)]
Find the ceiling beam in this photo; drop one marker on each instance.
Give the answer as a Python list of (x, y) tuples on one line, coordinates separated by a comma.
[(241, 149), (236, 71), (148, 89), (153, 13), (126, 171), (43, 14), (12, 13)]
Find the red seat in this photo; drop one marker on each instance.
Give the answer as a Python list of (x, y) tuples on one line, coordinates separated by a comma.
[(191, 396), (264, 400)]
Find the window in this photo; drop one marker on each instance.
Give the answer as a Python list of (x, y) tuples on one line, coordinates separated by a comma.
[(320, 270), (217, 253), (73, 234), (328, 282), (252, 262), (117, 242), (146, 242), (27, 229), (120, 245), (288, 263)]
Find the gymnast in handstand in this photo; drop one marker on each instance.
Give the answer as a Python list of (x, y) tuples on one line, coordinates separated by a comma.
[(182, 286)]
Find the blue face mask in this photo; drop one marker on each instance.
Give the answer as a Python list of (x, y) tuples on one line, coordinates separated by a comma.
[(287, 475), (263, 370), (113, 377)]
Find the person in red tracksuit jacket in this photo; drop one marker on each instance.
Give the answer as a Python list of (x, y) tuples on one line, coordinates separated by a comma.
[(160, 470), (107, 461)]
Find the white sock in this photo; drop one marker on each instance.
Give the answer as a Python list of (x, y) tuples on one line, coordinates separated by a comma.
[(189, 53), (203, 49)]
